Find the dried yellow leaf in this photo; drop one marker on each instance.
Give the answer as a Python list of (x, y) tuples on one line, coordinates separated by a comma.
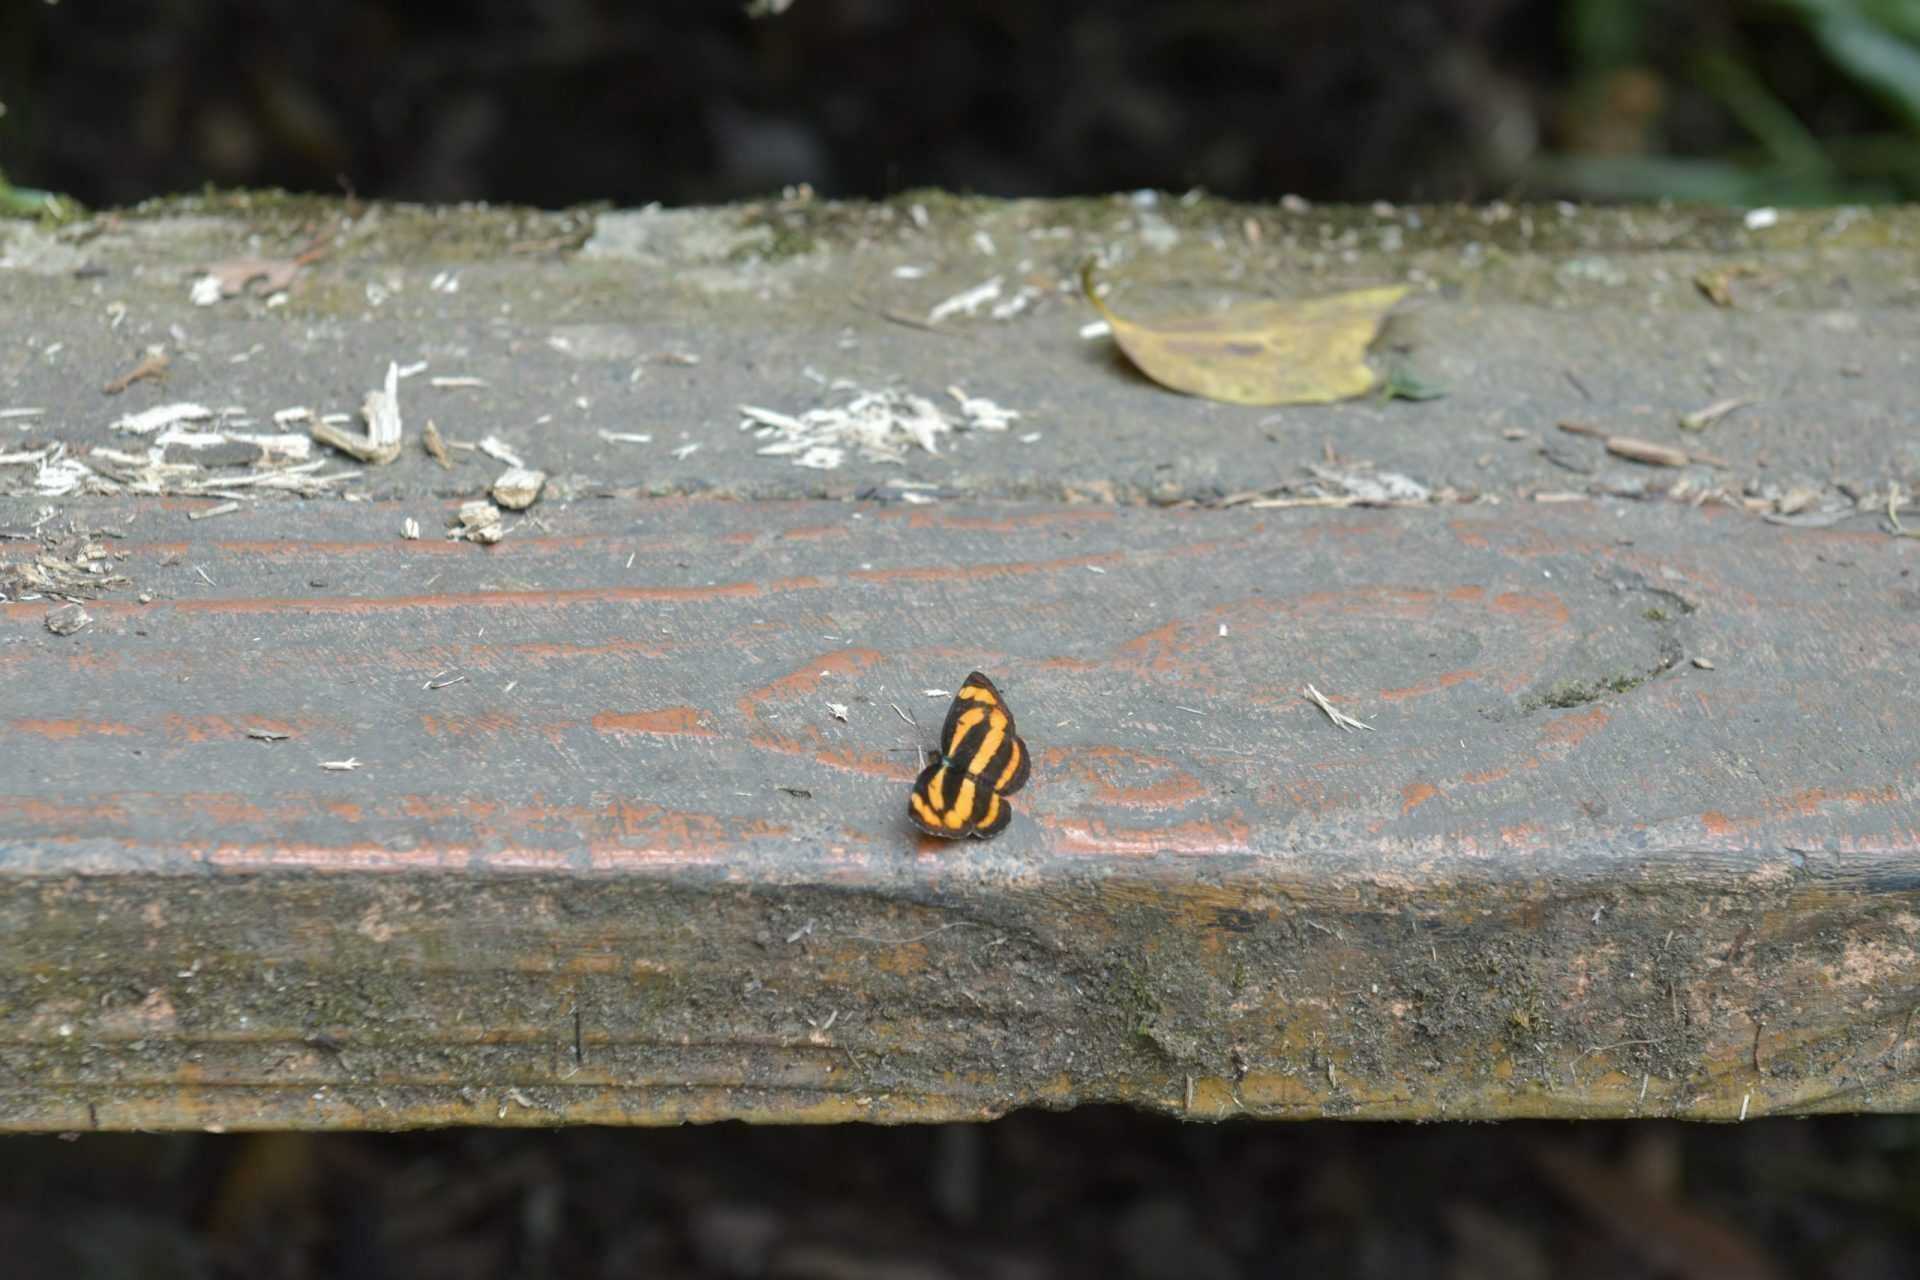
[(1311, 351)]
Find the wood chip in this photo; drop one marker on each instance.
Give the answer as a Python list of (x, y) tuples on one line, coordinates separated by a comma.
[(67, 619), (1701, 419), (1705, 664), (410, 529), (479, 521), (148, 421), (436, 447), (500, 451), (380, 444), (1637, 450), (224, 509), (340, 766), (518, 488), (268, 735), (152, 365)]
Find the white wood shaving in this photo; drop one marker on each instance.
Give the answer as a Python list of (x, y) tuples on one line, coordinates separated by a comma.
[(967, 302), (1339, 717), (500, 451), (982, 413), (625, 437), (881, 426), (148, 421), (382, 411)]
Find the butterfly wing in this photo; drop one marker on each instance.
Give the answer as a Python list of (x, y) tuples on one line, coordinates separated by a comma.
[(927, 804), (947, 802), (982, 761)]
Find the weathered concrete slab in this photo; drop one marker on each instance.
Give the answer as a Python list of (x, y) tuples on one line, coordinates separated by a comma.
[(1528, 316), (610, 856)]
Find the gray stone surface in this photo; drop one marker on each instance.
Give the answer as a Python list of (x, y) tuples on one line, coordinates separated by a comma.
[(311, 816)]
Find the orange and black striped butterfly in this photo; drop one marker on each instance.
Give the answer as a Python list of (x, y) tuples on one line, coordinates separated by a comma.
[(982, 762)]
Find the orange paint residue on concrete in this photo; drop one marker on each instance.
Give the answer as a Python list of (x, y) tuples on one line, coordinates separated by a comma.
[(1124, 778), (1813, 801), (806, 680), (1075, 837), (1415, 794), (664, 721), (1444, 681), (1569, 730), (373, 606), (1469, 535), (1718, 825), (482, 724), (1520, 604), (64, 730)]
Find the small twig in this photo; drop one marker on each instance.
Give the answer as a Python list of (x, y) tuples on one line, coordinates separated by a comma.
[(911, 322), (1339, 717), (224, 509), (152, 365), (1638, 450)]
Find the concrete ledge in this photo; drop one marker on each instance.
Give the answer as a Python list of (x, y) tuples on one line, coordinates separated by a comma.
[(611, 857)]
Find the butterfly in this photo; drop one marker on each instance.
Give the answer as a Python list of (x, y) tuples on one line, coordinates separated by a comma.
[(982, 762)]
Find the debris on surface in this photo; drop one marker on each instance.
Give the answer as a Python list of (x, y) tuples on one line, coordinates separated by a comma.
[(152, 365), (1369, 488), (838, 710), (1701, 419), (268, 735), (499, 450), (341, 766), (1636, 450), (410, 529), (66, 619), (435, 446), (1339, 717), (478, 521), (518, 488), (219, 509), (230, 278), (148, 421), (1310, 351), (380, 444), (967, 302), (71, 566), (880, 425), (625, 437), (1716, 283), (982, 413)]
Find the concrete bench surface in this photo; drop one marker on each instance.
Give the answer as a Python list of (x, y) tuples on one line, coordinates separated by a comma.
[(1633, 830)]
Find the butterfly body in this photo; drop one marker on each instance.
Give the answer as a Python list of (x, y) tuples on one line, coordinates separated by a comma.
[(982, 761)]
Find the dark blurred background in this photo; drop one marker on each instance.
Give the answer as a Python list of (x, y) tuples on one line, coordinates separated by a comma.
[(1746, 101), (1096, 1194)]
